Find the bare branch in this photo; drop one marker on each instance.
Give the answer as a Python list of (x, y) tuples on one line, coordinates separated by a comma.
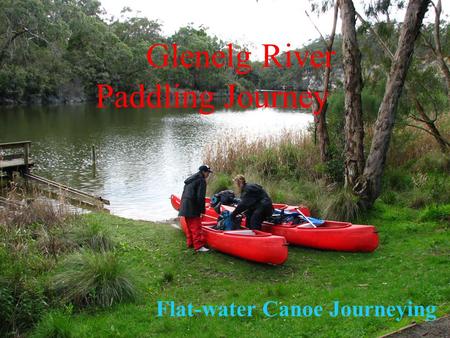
[(421, 128), (317, 29), (415, 118), (380, 40)]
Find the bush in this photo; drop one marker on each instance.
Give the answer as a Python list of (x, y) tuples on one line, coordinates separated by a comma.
[(389, 197), (433, 190), (417, 199), (432, 162), (93, 278), (397, 179), (438, 213), (38, 212), (55, 325), (94, 236), (39, 225), (342, 205), (218, 183), (22, 299)]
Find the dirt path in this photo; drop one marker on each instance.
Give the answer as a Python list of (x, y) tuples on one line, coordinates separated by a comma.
[(439, 328)]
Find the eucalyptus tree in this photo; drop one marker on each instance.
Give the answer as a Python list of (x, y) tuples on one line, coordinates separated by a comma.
[(364, 175)]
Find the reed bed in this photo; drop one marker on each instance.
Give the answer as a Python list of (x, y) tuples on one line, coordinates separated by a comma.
[(288, 154)]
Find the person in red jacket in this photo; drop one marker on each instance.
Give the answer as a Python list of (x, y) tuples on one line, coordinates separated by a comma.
[(193, 205)]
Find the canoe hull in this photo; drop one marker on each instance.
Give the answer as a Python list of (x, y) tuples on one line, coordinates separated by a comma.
[(176, 202), (333, 235), (261, 247), (337, 236)]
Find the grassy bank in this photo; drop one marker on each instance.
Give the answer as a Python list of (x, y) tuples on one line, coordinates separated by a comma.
[(97, 275), (410, 264)]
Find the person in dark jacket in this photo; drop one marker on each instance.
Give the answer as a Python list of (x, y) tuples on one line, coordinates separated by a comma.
[(193, 205), (254, 201)]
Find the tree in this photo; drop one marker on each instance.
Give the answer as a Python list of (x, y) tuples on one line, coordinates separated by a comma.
[(423, 87), (437, 48), (368, 186), (353, 127), (321, 120)]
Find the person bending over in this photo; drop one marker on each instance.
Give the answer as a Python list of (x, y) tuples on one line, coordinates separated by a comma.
[(193, 205), (254, 201)]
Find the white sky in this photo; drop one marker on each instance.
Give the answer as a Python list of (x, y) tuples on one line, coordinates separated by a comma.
[(245, 21)]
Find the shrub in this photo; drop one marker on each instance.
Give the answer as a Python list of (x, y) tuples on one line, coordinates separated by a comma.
[(417, 198), (22, 299), (93, 278), (55, 325), (438, 213), (342, 205), (397, 179), (37, 212), (94, 236), (389, 197), (39, 224), (218, 183), (433, 162)]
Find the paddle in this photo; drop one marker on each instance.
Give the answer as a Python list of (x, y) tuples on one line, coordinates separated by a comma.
[(307, 219)]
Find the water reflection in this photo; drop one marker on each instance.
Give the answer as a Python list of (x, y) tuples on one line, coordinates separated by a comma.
[(142, 155)]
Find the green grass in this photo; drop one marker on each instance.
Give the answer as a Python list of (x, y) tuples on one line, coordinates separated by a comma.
[(410, 264)]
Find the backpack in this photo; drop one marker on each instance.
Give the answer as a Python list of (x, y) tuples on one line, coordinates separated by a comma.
[(224, 197), (224, 222)]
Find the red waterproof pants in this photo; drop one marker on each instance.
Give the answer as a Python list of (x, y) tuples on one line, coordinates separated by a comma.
[(194, 232)]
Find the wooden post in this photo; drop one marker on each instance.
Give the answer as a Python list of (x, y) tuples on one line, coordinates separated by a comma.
[(94, 161), (94, 156), (27, 155)]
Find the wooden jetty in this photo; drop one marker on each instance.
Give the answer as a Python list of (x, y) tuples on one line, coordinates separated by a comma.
[(15, 161)]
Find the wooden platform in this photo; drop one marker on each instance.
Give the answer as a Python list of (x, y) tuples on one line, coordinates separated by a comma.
[(15, 156), (14, 163)]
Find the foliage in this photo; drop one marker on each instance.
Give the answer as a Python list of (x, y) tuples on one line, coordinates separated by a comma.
[(342, 205), (39, 225), (22, 299), (438, 213), (55, 324), (60, 50), (93, 278), (94, 236), (218, 183)]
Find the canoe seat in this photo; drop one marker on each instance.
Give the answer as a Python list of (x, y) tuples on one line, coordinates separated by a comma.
[(240, 232)]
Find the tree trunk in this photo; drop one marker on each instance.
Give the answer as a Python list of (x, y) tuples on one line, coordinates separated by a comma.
[(321, 119), (353, 129), (324, 140), (437, 40), (369, 185)]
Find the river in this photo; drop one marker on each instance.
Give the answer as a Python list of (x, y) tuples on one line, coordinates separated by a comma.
[(143, 156)]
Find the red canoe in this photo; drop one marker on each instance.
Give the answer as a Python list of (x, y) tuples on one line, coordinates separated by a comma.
[(252, 245), (332, 235), (175, 200)]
